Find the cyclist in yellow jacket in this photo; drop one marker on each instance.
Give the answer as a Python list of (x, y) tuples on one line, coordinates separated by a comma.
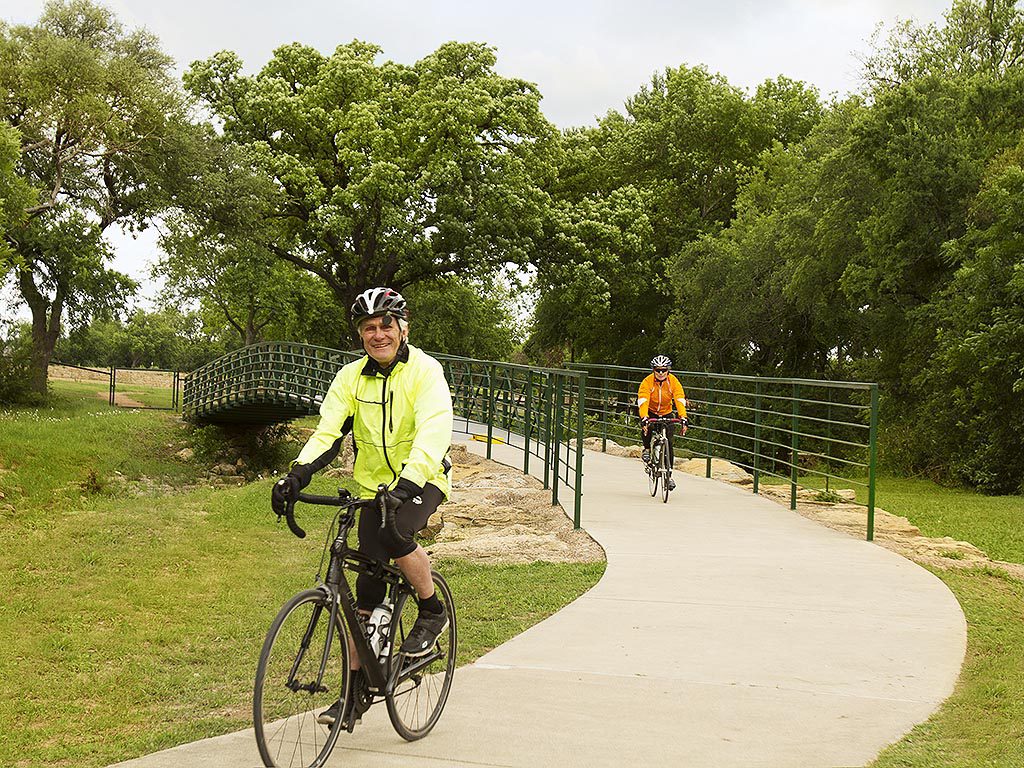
[(659, 394), (398, 405)]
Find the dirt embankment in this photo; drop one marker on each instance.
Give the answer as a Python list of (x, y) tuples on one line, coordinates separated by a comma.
[(891, 531)]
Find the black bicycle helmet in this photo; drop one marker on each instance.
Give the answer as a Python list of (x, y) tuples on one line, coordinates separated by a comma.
[(379, 301)]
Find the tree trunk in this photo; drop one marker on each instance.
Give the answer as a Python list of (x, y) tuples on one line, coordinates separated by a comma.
[(45, 328)]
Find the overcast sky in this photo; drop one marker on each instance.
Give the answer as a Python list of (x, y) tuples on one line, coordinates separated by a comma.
[(586, 57)]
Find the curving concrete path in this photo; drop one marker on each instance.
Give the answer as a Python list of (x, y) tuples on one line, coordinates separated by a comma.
[(727, 631)]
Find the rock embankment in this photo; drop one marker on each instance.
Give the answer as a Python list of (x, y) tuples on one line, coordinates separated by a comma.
[(496, 515)]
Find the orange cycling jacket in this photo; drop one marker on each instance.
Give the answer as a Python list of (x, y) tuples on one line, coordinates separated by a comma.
[(657, 398)]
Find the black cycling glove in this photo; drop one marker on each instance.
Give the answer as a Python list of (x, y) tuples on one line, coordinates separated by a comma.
[(287, 488), (401, 493)]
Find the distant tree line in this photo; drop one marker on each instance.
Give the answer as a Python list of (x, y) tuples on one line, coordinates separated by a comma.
[(874, 237)]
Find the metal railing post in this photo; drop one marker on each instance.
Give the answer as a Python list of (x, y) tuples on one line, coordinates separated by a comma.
[(548, 397), (558, 436), (527, 418), (794, 446), (757, 434), (872, 459), (604, 412), (582, 388), (709, 397), (490, 407)]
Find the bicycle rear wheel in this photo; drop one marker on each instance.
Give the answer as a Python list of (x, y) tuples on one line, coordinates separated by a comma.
[(652, 468), (666, 472), (297, 678), (421, 690)]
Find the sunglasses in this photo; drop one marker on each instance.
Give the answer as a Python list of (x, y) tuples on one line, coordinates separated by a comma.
[(661, 370), (386, 321)]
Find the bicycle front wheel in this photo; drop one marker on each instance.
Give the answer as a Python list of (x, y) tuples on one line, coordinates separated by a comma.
[(422, 685), (302, 671), (666, 472), (652, 469)]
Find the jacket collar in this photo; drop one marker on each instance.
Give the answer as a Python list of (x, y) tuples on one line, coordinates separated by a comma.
[(372, 367)]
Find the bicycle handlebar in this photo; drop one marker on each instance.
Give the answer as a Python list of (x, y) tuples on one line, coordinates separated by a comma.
[(345, 499), (341, 500), (663, 420)]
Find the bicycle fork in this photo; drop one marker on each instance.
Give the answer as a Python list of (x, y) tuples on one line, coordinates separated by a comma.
[(317, 685)]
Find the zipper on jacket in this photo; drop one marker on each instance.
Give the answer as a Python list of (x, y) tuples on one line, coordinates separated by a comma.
[(384, 424)]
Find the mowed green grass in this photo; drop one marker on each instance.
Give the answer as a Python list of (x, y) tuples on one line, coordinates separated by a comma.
[(133, 623), (994, 524)]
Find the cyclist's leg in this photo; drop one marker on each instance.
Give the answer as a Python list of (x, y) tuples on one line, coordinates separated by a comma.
[(415, 564), (645, 436), (670, 430), (370, 592), (410, 519)]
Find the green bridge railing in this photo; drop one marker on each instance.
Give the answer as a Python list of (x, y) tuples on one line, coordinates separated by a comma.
[(782, 428), (772, 427), (537, 411)]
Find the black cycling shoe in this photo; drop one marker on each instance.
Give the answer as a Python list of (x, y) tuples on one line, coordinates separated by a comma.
[(670, 484), (425, 631), (645, 456), (330, 715), (356, 703)]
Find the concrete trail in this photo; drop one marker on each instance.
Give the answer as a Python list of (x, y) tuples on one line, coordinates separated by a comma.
[(727, 631)]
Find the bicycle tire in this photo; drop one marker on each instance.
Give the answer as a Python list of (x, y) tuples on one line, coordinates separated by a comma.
[(666, 473), (652, 468), (284, 714), (417, 699)]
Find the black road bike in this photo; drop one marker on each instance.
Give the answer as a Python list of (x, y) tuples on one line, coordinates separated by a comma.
[(304, 665), (659, 468)]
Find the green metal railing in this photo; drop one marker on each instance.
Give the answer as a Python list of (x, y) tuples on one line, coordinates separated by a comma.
[(775, 427), (537, 411)]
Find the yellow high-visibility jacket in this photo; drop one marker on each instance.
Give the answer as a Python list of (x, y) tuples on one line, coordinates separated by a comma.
[(401, 422), (656, 398)]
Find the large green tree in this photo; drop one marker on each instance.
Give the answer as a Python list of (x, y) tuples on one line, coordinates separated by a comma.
[(103, 140), (381, 173), (764, 296), (880, 247), (643, 185), (16, 196), (974, 381)]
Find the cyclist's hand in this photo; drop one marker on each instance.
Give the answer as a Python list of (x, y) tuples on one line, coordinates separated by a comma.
[(287, 488), (684, 424), (401, 493)]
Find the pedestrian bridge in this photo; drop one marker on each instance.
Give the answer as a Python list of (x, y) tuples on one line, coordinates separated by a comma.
[(262, 384)]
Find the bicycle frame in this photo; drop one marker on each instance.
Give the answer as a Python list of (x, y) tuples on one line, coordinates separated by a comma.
[(381, 677)]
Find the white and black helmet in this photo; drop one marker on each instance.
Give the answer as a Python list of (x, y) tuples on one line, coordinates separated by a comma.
[(660, 361), (379, 301)]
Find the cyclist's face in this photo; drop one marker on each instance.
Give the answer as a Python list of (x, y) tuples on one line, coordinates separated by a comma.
[(661, 373), (381, 338)]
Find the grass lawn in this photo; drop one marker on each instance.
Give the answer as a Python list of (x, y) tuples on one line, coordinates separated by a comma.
[(133, 623), (135, 620)]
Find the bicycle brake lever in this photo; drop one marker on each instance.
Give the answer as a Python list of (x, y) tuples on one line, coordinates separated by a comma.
[(381, 490)]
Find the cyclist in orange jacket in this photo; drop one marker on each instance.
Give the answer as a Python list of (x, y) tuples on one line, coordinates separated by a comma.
[(660, 394)]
